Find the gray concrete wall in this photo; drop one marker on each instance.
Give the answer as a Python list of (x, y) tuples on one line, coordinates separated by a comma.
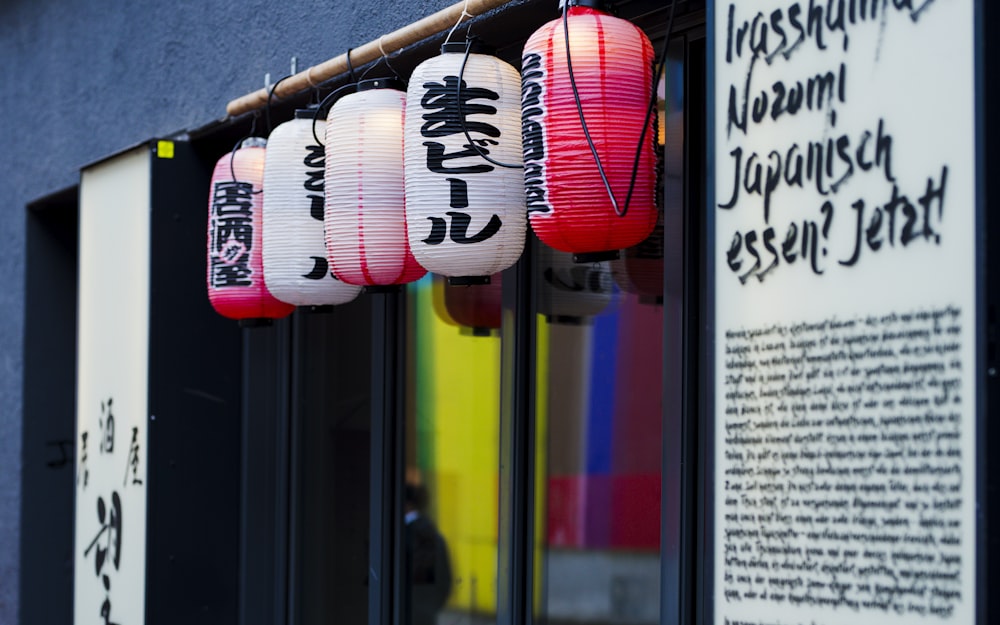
[(82, 80)]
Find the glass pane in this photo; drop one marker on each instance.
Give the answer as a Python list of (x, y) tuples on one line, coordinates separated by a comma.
[(332, 429), (452, 452), (599, 415)]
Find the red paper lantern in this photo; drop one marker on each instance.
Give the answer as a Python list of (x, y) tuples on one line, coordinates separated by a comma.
[(567, 200), (236, 286)]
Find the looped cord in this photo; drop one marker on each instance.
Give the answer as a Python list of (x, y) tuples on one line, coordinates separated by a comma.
[(323, 105), (232, 154), (657, 69), (270, 95), (385, 57), (350, 67), (461, 117), (465, 14)]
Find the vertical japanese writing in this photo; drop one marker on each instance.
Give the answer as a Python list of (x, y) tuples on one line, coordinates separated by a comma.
[(231, 234), (532, 108), (314, 185), (132, 466), (449, 105), (107, 424), (107, 547), (104, 546), (82, 473)]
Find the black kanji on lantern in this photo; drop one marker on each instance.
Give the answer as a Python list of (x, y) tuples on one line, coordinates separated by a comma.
[(232, 233), (449, 104)]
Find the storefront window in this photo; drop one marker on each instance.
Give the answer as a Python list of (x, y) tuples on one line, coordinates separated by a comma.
[(452, 453), (599, 416)]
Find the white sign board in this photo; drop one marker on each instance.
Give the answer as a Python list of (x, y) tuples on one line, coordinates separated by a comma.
[(112, 367), (845, 236)]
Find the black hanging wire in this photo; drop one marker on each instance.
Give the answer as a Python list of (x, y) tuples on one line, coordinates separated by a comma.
[(232, 154), (267, 109), (253, 129), (350, 67), (461, 117), (384, 58), (325, 102), (657, 69)]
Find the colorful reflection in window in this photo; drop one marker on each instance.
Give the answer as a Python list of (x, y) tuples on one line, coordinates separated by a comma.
[(599, 415), (452, 449)]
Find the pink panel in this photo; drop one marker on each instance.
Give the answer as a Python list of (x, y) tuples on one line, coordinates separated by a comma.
[(635, 522), (566, 514)]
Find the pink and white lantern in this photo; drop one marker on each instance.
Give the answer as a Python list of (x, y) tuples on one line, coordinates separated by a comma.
[(567, 201), (365, 220), (296, 269), (464, 213), (236, 286)]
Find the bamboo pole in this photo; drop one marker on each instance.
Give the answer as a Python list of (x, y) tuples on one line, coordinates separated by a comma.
[(438, 22)]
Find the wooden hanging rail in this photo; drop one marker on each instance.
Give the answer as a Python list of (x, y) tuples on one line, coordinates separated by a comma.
[(433, 24)]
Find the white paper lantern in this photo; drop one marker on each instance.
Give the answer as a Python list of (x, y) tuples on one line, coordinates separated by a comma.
[(366, 238), (296, 269), (465, 215)]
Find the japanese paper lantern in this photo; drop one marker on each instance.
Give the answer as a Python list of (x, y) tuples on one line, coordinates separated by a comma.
[(365, 218), (464, 214), (236, 286), (296, 269), (567, 201), (570, 292)]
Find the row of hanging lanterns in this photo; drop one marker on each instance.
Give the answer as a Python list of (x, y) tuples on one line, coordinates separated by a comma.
[(443, 176)]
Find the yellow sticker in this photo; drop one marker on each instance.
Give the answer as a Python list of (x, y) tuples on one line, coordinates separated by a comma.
[(165, 149)]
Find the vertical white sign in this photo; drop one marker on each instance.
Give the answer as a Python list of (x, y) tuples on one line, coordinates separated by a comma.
[(112, 367), (845, 312)]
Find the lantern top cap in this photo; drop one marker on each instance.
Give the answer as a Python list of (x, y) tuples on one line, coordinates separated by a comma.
[(309, 113), (253, 142), (475, 46), (381, 83), (600, 5)]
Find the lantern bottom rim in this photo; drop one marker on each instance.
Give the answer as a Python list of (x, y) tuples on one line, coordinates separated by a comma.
[(595, 257)]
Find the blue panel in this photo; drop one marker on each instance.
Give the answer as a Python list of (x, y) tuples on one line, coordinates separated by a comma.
[(601, 401)]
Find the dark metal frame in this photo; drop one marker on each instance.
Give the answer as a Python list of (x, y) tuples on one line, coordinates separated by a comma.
[(194, 410), (385, 593), (515, 543), (987, 15), (48, 440), (705, 576)]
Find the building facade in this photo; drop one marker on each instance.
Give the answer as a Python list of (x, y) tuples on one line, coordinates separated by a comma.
[(577, 442)]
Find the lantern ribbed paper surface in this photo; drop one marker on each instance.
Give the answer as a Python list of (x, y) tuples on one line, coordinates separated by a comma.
[(236, 286), (365, 216), (295, 264), (465, 216), (567, 203)]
